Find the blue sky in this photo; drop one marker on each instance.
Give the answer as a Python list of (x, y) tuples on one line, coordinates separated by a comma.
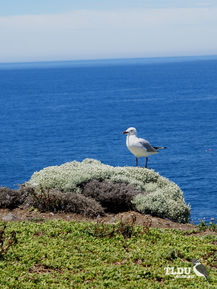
[(21, 7), (89, 29)]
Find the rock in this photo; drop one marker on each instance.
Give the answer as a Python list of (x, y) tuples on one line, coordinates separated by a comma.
[(9, 217)]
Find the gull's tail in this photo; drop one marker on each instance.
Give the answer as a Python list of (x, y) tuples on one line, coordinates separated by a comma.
[(160, 148)]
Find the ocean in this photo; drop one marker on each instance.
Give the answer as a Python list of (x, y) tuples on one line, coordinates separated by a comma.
[(58, 112)]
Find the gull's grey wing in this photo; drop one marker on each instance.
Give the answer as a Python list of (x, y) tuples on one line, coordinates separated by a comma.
[(202, 269), (147, 145)]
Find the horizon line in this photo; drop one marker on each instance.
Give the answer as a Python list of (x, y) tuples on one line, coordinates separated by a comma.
[(115, 59)]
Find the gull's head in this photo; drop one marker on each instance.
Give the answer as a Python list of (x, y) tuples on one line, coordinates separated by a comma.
[(130, 131)]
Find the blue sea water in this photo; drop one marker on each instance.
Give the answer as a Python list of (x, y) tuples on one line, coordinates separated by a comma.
[(51, 114)]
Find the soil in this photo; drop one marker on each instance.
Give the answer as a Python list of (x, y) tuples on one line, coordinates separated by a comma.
[(130, 217)]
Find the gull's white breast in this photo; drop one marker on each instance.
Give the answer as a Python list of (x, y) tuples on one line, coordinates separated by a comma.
[(136, 148)]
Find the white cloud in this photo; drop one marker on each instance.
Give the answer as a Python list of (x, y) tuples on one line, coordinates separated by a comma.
[(102, 34)]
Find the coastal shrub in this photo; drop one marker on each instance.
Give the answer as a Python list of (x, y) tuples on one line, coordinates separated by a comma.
[(164, 198), (159, 205), (11, 199), (114, 197), (55, 201), (70, 176)]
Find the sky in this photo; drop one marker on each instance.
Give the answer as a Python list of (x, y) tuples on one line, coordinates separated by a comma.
[(50, 30)]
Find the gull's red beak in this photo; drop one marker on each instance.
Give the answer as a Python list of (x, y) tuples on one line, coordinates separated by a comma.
[(124, 132)]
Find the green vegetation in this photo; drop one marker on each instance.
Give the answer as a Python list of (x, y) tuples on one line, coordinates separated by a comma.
[(212, 225), (162, 197), (60, 254)]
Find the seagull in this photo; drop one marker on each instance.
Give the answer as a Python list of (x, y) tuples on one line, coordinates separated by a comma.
[(139, 147), (200, 269)]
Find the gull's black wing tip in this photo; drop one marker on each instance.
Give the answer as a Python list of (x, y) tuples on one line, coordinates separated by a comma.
[(160, 148)]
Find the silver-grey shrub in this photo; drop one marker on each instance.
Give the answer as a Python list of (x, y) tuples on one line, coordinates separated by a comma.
[(164, 198)]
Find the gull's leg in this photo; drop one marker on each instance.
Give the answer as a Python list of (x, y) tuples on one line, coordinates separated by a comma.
[(136, 161), (146, 163)]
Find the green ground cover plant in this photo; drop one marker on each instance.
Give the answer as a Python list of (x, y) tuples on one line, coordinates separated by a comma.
[(61, 254)]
